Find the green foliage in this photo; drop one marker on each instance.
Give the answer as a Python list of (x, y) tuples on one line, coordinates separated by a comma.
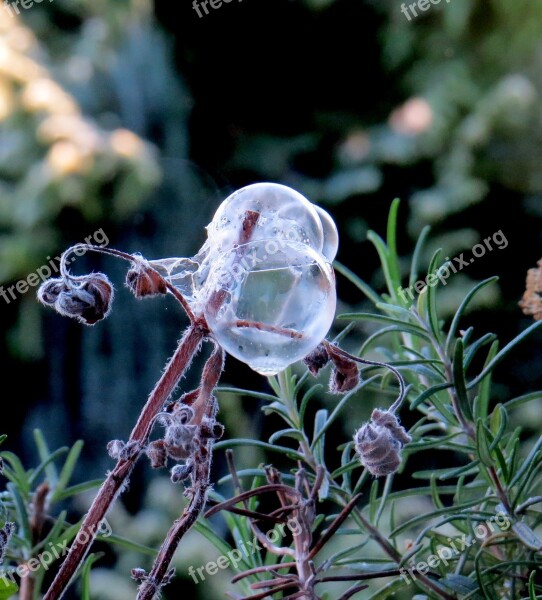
[(34, 499), (487, 481)]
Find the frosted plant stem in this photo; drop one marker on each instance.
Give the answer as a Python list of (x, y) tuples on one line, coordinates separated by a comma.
[(116, 479)]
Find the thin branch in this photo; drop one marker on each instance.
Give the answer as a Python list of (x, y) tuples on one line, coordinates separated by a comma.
[(334, 526), (204, 406), (112, 486)]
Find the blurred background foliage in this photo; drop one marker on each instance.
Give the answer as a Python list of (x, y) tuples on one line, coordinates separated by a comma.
[(139, 117)]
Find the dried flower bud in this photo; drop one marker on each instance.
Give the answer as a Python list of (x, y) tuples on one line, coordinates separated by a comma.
[(183, 414), (130, 450), (379, 443), (49, 291), (345, 376), (317, 359), (143, 281), (341, 382), (138, 574), (211, 429), (179, 441), (168, 576), (114, 448), (87, 299), (5, 534), (181, 472), (156, 451)]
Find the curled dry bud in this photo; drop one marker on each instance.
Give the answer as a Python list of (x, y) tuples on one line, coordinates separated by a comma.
[(181, 472), (87, 299), (379, 443), (143, 281), (317, 359), (156, 451), (345, 376), (49, 291), (138, 574)]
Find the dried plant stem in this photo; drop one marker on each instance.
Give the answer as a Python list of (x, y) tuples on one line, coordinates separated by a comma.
[(28, 583), (204, 406), (112, 486), (385, 544), (130, 258)]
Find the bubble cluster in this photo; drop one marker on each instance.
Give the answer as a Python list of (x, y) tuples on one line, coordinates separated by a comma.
[(263, 279)]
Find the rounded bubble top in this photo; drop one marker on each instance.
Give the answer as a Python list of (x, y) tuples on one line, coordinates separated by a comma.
[(283, 213), (331, 235)]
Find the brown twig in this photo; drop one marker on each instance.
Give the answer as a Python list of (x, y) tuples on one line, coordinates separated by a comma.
[(204, 406), (112, 486), (39, 510)]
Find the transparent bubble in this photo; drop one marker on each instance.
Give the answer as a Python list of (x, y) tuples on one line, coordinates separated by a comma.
[(331, 235), (269, 303), (282, 213)]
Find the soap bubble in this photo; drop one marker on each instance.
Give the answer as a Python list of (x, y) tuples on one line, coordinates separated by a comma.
[(331, 235), (270, 303), (263, 279), (283, 213)]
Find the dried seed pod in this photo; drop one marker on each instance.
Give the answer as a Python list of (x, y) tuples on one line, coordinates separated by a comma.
[(181, 472), (379, 443), (157, 453), (143, 281), (317, 359)]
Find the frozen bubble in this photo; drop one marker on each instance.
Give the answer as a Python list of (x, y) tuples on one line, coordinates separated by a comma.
[(283, 213), (331, 235), (275, 310)]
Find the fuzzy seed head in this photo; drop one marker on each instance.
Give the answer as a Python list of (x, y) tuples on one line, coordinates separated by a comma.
[(379, 443)]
